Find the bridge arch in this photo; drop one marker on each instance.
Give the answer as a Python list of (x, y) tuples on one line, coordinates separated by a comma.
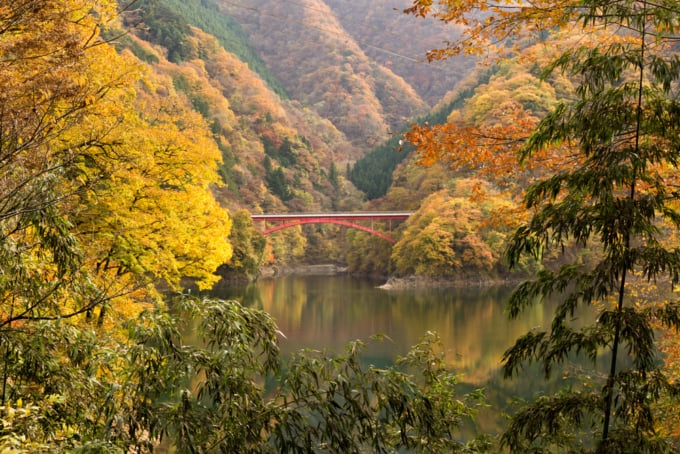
[(295, 222)]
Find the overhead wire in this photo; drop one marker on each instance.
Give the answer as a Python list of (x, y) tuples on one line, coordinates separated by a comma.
[(344, 18), (325, 30)]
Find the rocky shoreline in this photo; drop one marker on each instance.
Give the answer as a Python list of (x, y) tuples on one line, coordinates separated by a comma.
[(327, 269), (415, 282), (390, 282)]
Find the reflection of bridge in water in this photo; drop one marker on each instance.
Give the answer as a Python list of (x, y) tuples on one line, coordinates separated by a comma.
[(286, 220)]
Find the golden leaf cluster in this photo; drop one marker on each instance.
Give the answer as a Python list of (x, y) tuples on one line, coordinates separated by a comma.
[(111, 151)]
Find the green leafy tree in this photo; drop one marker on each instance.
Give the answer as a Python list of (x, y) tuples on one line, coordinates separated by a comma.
[(248, 246), (322, 401), (357, 409), (167, 28), (621, 135), (208, 394)]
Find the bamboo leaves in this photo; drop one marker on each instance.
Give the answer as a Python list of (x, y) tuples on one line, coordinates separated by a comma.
[(611, 201)]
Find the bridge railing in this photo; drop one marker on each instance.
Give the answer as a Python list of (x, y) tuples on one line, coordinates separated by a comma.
[(368, 215)]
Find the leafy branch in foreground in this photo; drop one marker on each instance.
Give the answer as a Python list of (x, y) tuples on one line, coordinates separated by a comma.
[(619, 199), (337, 405), (616, 194), (224, 391)]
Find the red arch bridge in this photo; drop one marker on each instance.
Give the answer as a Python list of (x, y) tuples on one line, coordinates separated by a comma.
[(347, 219)]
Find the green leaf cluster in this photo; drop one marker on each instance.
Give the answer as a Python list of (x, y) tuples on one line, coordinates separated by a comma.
[(75, 390), (167, 28), (276, 180), (621, 133)]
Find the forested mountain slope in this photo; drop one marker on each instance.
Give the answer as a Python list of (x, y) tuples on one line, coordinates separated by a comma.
[(293, 96), (401, 42), (117, 134), (359, 67), (108, 159), (276, 153), (464, 185)]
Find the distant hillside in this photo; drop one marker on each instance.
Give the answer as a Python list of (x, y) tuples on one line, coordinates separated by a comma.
[(322, 65), (470, 179), (277, 155), (359, 65), (295, 93), (373, 173), (399, 42)]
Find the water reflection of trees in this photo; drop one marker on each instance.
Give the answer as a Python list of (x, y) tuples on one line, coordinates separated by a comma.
[(327, 312)]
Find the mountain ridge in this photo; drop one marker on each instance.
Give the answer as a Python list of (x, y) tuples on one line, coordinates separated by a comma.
[(287, 143)]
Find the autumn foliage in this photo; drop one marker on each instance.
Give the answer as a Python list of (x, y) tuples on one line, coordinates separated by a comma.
[(454, 234), (106, 185), (597, 170), (111, 151)]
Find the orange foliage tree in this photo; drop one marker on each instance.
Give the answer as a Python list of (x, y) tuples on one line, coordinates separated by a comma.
[(483, 138), (491, 28)]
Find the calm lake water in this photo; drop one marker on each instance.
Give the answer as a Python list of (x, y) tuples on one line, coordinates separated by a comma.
[(326, 312)]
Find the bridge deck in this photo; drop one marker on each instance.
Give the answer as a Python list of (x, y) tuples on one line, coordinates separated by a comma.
[(376, 216)]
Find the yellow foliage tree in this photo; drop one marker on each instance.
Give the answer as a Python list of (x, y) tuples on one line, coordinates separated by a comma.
[(48, 94), (106, 184), (485, 135), (152, 217), (452, 233)]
